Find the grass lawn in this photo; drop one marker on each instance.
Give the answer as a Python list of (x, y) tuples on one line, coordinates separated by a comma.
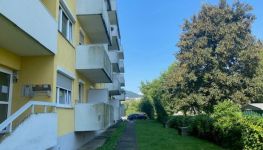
[(153, 136), (111, 142)]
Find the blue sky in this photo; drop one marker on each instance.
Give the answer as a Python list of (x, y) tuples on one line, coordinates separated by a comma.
[(150, 30)]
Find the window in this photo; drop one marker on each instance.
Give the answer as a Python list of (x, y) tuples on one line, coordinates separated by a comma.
[(81, 38), (64, 89), (65, 24)]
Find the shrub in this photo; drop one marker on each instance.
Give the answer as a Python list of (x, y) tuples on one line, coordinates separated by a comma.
[(162, 115), (202, 126), (252, 135), (179, 121), (227, 116), (147, 107)]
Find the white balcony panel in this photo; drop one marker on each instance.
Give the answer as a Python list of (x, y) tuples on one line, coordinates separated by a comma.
[(114, 58), (121, 79), (121, 65), (27, 28), (94, 19), (113, 12), (92, 117), (98, 96), (93, 61), (120, 97), (121, 53), (114, 87), (116, 43)]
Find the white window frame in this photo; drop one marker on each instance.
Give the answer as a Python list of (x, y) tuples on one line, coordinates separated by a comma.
[(68, 100), (9, 103), (69, 26)]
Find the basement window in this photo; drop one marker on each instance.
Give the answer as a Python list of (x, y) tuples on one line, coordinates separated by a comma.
[(65, 25)]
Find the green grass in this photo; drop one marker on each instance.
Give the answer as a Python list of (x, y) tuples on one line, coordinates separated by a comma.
[(153, 136), (111, 142)]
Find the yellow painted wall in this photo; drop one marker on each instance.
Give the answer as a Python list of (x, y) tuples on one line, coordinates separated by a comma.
[(9, 59), (43, 70), (52, 6), (34, 70)]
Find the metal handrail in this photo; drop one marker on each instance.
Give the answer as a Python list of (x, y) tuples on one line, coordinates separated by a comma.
[(19, 112)]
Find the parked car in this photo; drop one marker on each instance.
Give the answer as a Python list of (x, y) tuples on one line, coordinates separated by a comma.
[(138, 116)]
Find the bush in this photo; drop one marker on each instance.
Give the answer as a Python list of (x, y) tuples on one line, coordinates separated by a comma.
[(252, 135), (147, 107), (162, 115), (202, 126), (226, 127), (227, 116), (179, 121)]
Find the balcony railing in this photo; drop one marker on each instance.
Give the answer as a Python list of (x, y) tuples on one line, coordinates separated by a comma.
[(94, 19), (114, 87), (93, 62), (27, 28), (93, 117), (121, 66)]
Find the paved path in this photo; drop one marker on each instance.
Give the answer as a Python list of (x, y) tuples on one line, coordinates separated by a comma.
[(128, 139), (98, 141)]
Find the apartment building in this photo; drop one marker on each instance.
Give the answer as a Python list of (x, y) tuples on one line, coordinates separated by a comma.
[(61, 72)]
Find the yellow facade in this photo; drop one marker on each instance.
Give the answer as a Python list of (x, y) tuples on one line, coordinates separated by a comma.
[(43, 70)]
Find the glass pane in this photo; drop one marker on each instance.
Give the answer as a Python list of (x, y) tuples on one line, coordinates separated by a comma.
[(62, 96), (64, 24), (3, 112), (70, 32), (69, 97), (4, 86)]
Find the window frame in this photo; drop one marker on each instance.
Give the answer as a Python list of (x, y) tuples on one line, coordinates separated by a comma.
[(69, 25), (68, 100)]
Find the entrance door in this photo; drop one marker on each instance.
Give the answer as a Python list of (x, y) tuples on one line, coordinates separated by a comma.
[(5, 94)]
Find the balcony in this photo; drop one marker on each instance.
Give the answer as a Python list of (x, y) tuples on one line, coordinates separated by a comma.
[(121, 79), (114, 58), (121, 66), (113, 12), (114, 87), (93, 62), (27, 28), (94, 19), (92, 117), (120, 97), (121, 53), (115, 45)]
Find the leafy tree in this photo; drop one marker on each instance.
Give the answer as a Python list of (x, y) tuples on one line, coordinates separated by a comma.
[(131, 106), (147, 107), (219, 59)]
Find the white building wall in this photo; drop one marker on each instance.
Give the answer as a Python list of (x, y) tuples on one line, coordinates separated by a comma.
[(38, 132)]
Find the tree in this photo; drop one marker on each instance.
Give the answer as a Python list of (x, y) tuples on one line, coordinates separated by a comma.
[(147, 107), (218, 59)]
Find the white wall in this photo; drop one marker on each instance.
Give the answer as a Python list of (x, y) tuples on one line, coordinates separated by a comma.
[(38, 132), (32, 17)]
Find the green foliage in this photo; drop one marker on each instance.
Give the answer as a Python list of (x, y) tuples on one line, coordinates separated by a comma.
[(160, 111), (147, 107), (131, 106), (252, 135), (226, 127), (219, 59), (202, 126), (226, 115), (180, 121)]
